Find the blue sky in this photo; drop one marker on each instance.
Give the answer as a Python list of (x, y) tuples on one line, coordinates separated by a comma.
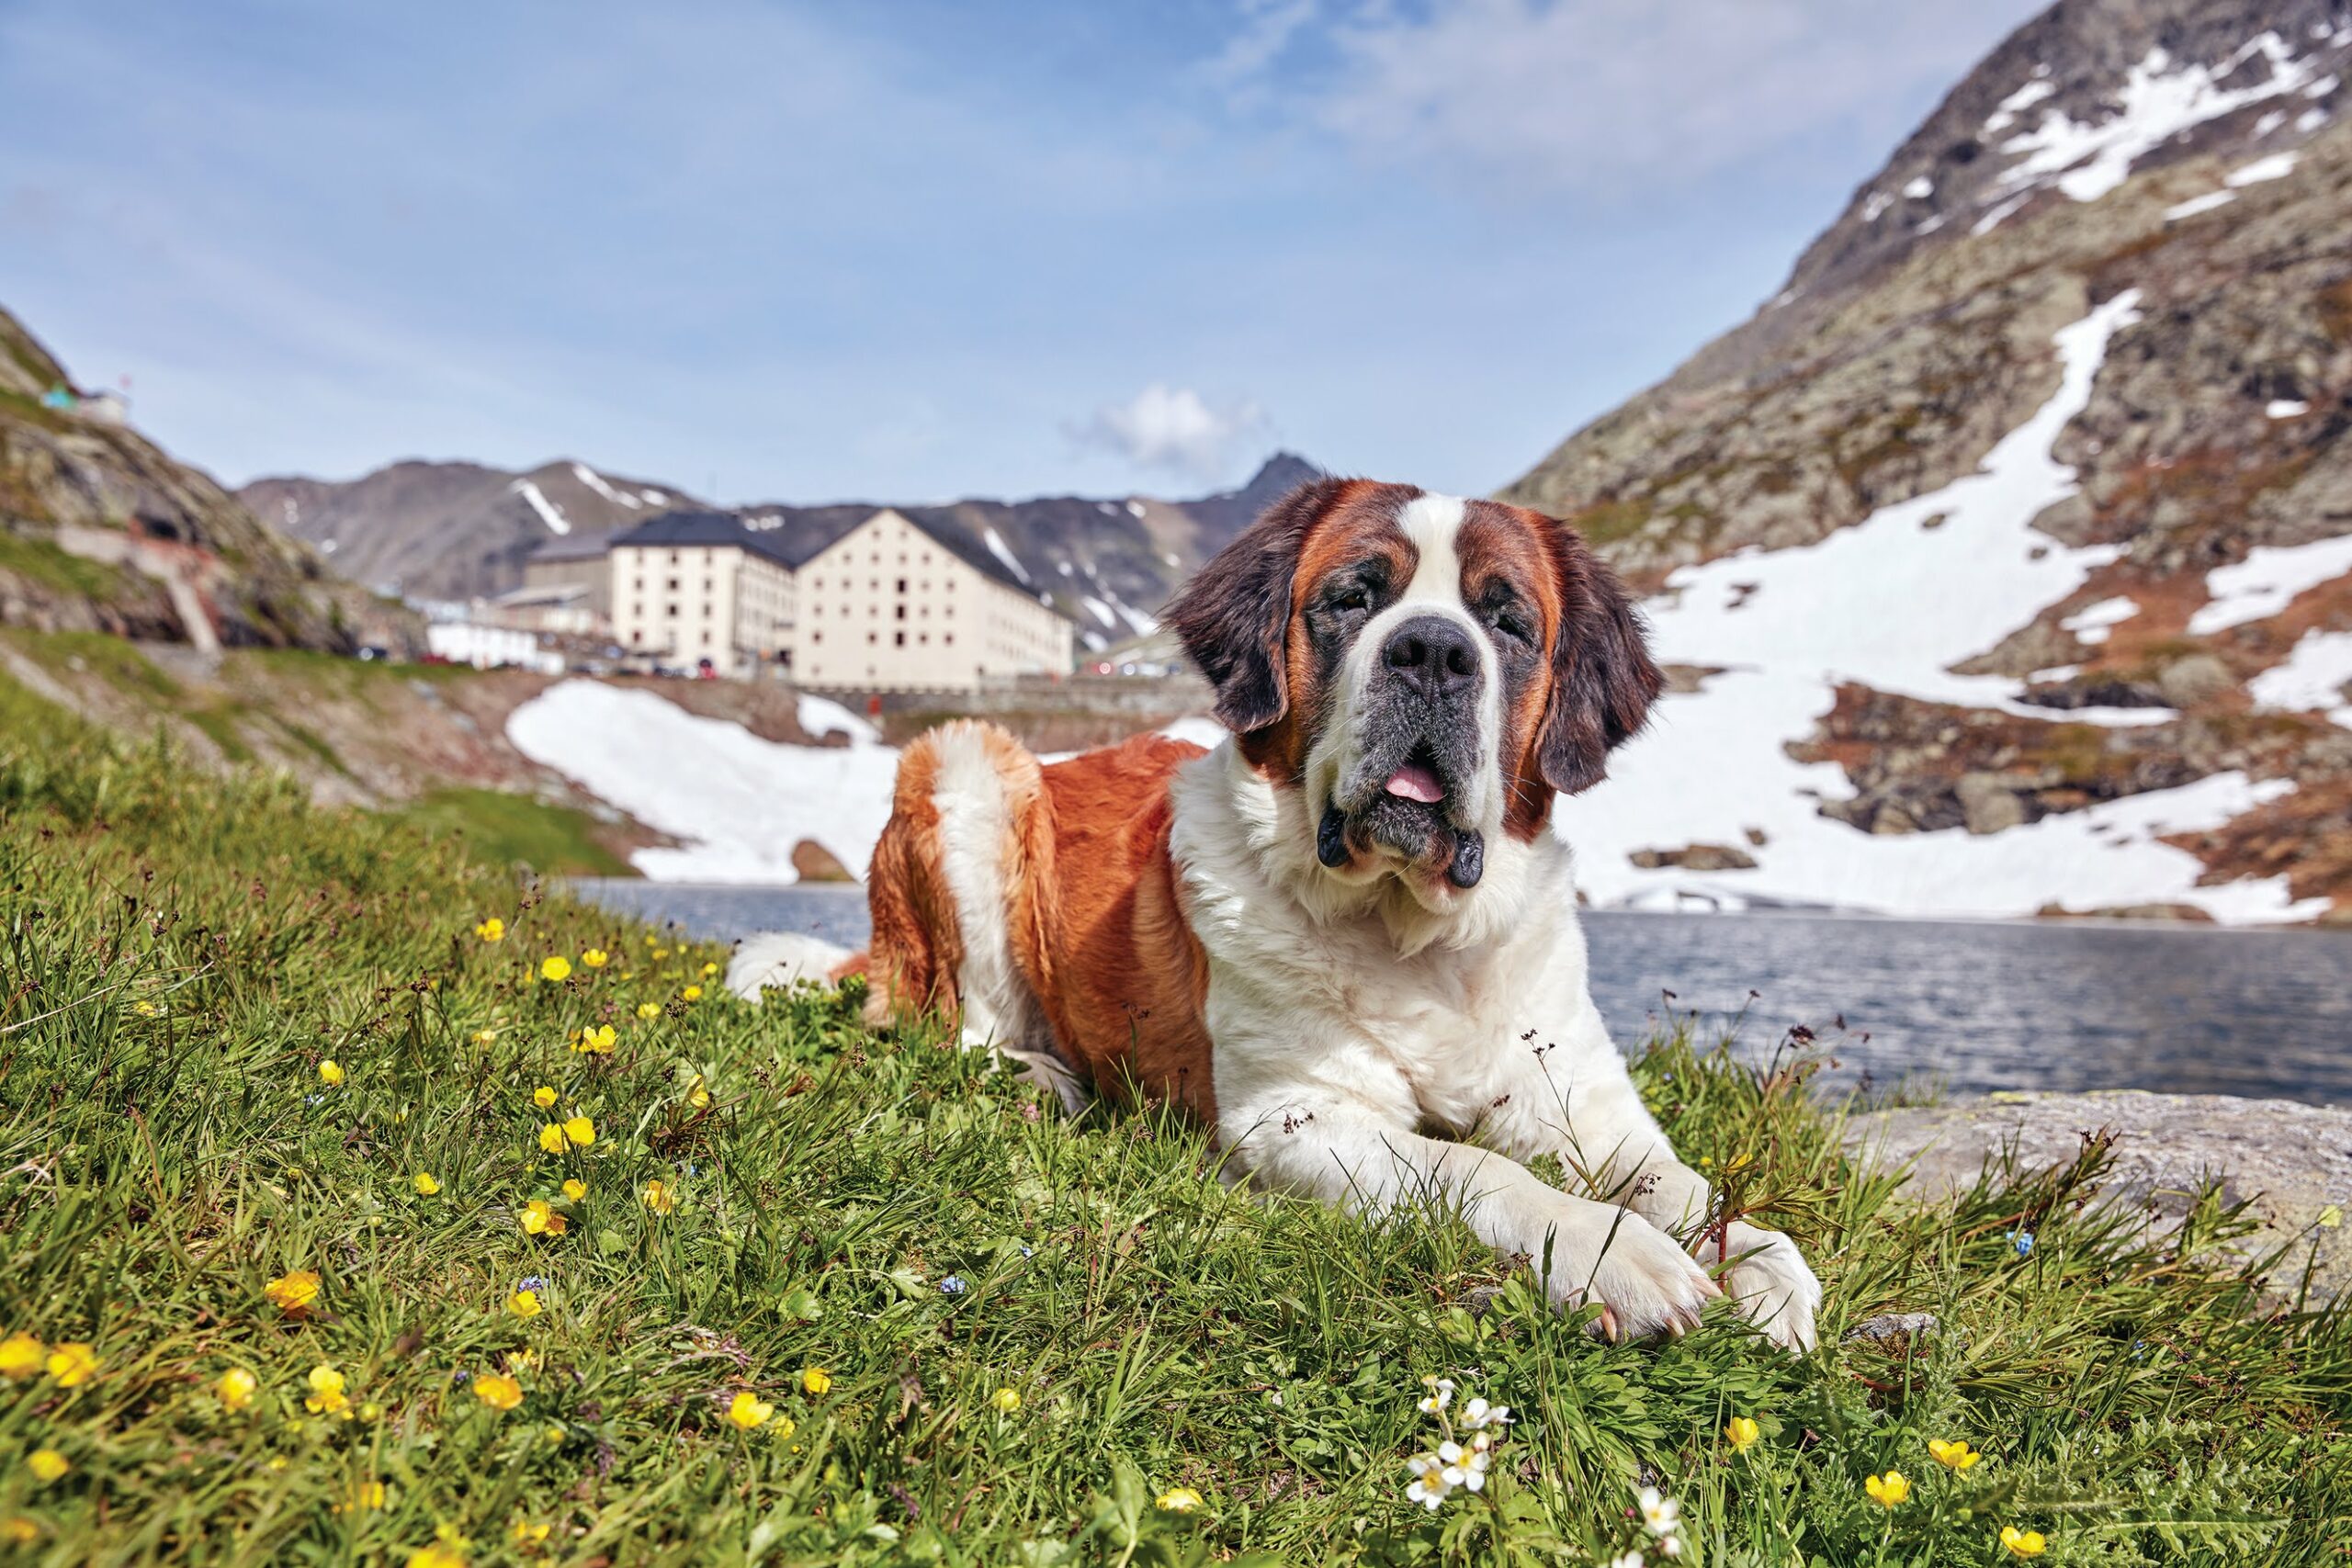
[(912, 250)]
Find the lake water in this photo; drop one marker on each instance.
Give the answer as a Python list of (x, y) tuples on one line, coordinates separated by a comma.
[(1976, 1006)]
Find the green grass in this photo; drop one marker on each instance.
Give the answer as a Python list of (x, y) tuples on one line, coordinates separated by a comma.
[(38, 559), (513, 829), (182, 954)]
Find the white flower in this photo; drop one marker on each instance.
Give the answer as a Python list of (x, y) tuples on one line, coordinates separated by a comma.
[(1478, 1414), (1629, 1559), (1670, 1545), (1662, 1515), (1441, 1394), (1430, 1485)]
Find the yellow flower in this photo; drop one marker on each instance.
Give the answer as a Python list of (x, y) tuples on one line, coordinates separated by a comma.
[(1742, 1431), (749, 1411), (648, 1011), (293, 1291), (21, 1355), (575, 1190), (526, 1535), (425, 1186), (1179, 1500), (539, 1218), (595, 958), (492, 929), (708, 970), (145, 1009), (781, 1428), (47, 1464), (1887, 1490), (1956, 1454), (73, 1364), (1007, 1400), (543, 1097), (236, 1388), (692, 993), (367, 1496), (555, 968), (524, 1304), (371, 1411), (659, 954), (18, 1530), (581, 1131), (485, 1036), (816, 1380), (556, 1434), (436, 1555), (659, 1198), (330, 1074), (596, 1040), (698, 1094), (326, 1392), (522, 1360), (498, 1391), (2022, 1543), (552, 1138)]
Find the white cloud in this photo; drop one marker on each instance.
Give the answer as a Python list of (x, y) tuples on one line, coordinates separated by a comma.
[(1176, 430), (1620, 94)]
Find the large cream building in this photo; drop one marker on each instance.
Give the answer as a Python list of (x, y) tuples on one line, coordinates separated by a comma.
[(695, 585), (889, 607)]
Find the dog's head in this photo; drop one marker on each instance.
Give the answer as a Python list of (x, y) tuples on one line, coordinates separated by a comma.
[(1426, 670)]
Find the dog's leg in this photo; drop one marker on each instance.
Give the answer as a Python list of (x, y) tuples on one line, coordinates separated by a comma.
[(1334, 1148), (1581, 1104)]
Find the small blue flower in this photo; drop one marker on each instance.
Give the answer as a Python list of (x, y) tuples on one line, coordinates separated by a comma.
[(953, 1284), (312, 1099), (1028, 1251), (2023, 1242), (535, 1284)]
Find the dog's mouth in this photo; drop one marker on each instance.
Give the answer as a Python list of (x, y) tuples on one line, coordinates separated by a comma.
[(1407, 811)]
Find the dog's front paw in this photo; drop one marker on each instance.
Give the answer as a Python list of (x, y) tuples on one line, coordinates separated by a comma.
[(1647, 1285), (1768, 1277)]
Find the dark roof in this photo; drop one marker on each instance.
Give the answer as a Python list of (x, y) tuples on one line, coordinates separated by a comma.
[(707, 529), (572, 546)]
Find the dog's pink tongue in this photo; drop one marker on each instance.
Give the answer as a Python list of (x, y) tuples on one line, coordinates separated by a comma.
[(1415, 782)]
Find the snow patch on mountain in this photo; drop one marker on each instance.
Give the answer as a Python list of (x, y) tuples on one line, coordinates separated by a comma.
[(594, 481), (2159, 101), (1784, 628), (737, 804), (549, 514), (2268, 581), (999, 548), (2312, 679)]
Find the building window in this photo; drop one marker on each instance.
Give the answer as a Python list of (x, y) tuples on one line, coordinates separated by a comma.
[(922, 637), (902, 612), (639, 585), (873, 636), (671, 586), (673, 561), (900, 640), (816, 636), (902, 585), (948, 638), (671, 610)]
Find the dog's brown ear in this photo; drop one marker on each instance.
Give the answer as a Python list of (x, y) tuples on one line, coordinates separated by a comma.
[(1604, 680), (1234, 616)]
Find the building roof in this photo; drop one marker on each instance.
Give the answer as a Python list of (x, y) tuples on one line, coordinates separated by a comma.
[(707, 529), (571, 548)]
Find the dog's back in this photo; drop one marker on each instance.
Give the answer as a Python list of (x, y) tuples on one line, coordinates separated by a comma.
[(1036, 901)]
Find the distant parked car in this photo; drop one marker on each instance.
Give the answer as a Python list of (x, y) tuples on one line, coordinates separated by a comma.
[(370, 653)]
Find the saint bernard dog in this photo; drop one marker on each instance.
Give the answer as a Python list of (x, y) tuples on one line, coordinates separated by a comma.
[(1345, 939)]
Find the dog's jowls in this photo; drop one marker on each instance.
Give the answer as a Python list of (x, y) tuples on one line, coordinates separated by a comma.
[(1349, 923)]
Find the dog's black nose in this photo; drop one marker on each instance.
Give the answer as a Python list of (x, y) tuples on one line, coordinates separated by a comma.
[(1433, 655)]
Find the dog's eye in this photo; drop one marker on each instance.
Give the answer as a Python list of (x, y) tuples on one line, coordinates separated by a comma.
[(1352, 599)]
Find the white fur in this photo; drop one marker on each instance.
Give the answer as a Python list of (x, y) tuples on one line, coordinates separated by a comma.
[(1343, 1018), (780, 959), (976, 841)]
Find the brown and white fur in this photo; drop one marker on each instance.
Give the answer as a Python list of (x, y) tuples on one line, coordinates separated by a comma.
[(1345, 938)]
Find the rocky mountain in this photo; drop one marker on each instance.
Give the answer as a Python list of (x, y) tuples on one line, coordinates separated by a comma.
[(2006, 554), (100, 530), (424, 530), (458, 530)]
